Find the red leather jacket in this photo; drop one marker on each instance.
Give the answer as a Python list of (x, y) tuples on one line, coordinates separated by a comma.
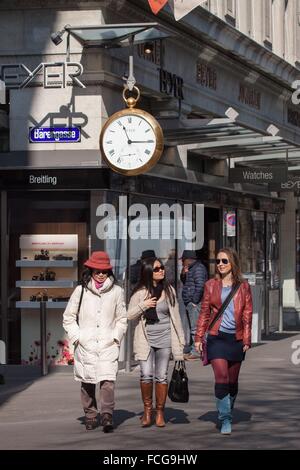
[(211, 304)]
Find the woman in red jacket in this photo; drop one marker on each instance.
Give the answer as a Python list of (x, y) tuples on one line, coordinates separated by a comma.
[(229, 337)]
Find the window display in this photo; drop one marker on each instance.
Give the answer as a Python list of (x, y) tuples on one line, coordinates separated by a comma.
[(229, 228), (55, 287)]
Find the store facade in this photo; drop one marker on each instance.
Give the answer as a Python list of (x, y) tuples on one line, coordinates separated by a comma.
[(62, 196)]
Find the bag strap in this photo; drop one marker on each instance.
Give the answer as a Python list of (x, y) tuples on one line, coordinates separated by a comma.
[(80, 301), (225, 304)]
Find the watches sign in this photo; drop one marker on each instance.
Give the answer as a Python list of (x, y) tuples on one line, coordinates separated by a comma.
[(54, 134)]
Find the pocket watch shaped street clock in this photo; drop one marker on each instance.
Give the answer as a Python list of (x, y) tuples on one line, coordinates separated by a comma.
[(131, 141)]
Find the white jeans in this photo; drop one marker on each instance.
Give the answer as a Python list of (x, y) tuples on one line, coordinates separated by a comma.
[(156, 365)]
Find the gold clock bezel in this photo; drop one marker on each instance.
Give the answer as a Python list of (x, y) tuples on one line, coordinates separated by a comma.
[(158, 134)]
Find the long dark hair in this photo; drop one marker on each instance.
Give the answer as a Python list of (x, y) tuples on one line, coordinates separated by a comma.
[(235, 265), (146, 280), (87, 276)]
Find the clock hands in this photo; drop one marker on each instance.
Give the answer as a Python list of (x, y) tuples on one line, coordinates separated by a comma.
[(128, 140), (141, 141)]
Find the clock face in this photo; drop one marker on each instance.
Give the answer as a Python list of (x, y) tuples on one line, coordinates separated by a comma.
[(129, 141)]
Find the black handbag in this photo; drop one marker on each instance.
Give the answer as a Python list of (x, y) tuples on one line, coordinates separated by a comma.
[(178, 388)]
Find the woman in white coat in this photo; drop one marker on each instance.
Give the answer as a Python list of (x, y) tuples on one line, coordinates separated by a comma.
[(95, 320), (158, 333)]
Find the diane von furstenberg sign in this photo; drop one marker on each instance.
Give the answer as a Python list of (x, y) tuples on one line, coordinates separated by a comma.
[(54, 74)]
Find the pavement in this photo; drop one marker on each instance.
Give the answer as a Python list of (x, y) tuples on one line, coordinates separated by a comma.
[(43, 413)]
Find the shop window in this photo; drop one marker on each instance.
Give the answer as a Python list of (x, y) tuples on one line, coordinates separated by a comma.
[(298, 250), (109, 228), (273, 276), (229, 228), (48, 243), (252, 242), (152, 226)]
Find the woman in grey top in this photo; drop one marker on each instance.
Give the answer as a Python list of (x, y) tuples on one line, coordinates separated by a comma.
[(158, 333)]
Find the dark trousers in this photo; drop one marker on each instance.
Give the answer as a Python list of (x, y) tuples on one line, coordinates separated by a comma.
[(107, 398)]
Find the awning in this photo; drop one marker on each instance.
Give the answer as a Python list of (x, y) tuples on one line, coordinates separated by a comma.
[(222, 138), (117, 35)]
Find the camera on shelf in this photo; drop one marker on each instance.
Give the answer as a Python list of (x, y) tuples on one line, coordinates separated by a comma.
[(50, 275), (41, 296), (45, 276), (43, 255), (62, 257)]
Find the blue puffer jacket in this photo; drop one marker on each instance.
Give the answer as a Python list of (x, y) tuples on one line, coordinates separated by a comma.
[(193, 286)]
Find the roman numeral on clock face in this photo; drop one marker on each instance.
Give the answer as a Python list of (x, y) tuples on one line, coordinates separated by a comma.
[(111, 152), (147, 152)]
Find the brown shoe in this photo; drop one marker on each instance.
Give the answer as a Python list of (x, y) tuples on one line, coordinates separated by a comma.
[(91, 423), (147, 391), (107, 422), (190, 357), (161, 391)]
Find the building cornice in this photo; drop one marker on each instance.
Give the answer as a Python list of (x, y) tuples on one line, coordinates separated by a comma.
[(203, 27)]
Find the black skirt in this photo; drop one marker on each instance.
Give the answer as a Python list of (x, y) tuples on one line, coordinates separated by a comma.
[(225, 346)]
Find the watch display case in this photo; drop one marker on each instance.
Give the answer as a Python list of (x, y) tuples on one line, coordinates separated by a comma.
[(48, 273)]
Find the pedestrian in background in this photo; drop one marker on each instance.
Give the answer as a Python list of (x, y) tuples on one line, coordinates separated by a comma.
[(135, 269), (158, 333), (229, 337), (193, 277), (95, 321)]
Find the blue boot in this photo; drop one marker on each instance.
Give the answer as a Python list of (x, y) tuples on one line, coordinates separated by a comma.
[(224, 409), (232, 400)]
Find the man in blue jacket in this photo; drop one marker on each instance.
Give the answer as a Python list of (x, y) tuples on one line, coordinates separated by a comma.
[(193, 277)]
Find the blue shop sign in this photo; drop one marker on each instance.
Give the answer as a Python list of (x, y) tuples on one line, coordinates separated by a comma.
[(54, 134)]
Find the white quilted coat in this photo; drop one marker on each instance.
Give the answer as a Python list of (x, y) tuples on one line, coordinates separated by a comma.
[(102, 319)]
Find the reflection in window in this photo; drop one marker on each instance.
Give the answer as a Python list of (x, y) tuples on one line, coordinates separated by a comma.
[(152, 225), (273, 250), (298, 250), (252, 241)]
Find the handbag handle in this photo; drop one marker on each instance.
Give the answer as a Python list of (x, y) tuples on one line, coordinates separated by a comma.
[(180, 365), (225, 304)]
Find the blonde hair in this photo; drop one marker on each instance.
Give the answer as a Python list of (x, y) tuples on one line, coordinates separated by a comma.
[(235, 265)]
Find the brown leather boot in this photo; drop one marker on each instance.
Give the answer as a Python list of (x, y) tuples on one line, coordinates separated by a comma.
[(161, 391), (146, 389)]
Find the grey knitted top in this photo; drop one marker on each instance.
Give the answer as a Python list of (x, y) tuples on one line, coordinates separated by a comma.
[(159, 334)]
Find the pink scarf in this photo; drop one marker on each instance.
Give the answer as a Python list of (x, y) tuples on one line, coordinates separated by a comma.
[(98, 284)]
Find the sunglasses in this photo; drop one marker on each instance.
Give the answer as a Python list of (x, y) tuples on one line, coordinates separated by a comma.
[(101, 272), (159, 268), (224, 261)]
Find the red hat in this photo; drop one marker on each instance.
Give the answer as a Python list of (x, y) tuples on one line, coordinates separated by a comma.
[(98, 260)]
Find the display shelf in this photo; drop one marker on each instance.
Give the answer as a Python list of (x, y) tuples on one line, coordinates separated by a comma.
[(47, 284), (24, 263), (36, 305)]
